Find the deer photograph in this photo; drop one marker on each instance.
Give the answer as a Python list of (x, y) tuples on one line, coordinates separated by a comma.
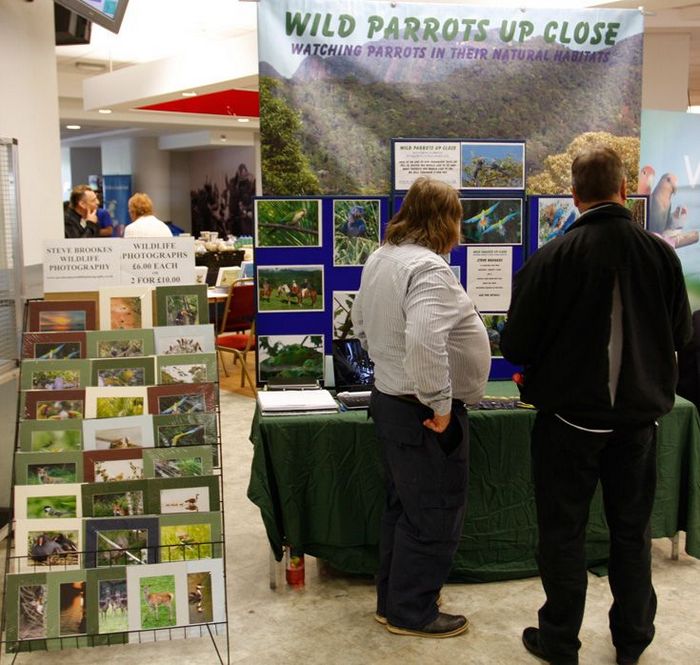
[(113, 606), (158, 602)]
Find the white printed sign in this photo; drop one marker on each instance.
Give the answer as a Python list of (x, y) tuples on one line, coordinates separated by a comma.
[(86, 264), (438, 160), (489, 277)]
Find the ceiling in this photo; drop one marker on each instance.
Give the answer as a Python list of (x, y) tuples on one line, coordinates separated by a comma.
[(165, 51)]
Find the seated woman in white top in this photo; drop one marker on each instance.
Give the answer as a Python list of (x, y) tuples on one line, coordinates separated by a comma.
[(144, 224)]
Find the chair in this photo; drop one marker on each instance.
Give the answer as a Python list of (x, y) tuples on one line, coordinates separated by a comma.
[(237, 330)]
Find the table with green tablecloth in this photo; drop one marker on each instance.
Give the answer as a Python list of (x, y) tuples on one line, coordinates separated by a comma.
[(317, 480)]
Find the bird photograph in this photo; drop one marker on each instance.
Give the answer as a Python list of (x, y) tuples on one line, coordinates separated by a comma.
[(555, 217), (668, 216), (356, 230), (491, 221), (288, 223), (52, 507), (493, 166)]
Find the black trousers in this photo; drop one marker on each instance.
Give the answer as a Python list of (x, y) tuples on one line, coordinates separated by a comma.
[(426, 485), (567, 464)]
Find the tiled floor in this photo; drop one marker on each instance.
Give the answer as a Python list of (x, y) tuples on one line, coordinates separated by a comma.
[(329, 621)]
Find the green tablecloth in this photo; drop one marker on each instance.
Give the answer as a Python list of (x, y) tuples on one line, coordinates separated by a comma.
[(318, 483)]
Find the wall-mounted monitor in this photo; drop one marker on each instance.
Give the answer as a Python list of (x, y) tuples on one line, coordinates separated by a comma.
[(107, 13)]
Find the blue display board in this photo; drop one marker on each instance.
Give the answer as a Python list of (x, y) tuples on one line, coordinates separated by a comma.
[(309, 253), (550, 216)]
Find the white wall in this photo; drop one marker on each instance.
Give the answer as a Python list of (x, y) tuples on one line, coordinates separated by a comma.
[(180, 213), (151, 174), (84, 162), (29, 113), (665, 71)]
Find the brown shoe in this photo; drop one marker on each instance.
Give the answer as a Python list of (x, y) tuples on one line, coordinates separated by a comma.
[(445, 625)]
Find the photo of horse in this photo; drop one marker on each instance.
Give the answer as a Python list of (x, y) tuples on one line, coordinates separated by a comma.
[(290, 288)]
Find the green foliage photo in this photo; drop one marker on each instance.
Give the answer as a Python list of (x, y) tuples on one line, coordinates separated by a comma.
[(356, 231), (290, 360), (287, 223)]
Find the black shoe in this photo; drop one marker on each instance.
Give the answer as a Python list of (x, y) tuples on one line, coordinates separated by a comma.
[(445, 625), (625, 660), (531, 641)]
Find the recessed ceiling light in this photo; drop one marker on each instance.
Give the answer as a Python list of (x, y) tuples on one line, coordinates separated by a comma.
[(243, 119), (105, 111), (72, 126), (222, 138), (190, 93)]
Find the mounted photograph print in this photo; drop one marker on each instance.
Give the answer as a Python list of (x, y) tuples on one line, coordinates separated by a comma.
[(342, 320), (178, 462), (48, 543), (61, 315), (288, 223), (227, 276), (555, 215), (177, 398), (196, 429), (107, 591), (50, 436), (157, 597), (41, 469), (54, 374), (491, 222), (205, 591), (493, 165), (118, 433), (53, 404), (637, 204), (185, 537), (494, 324), (183, 495), (356, 225), (117, 499), (187, 368), (125, 307), (170, 340), (200, 274), (26, 596), (68, 599), (47, 502), (115, 372), (115, 402), (182, 305), (120, 343), (290, 288), (290, 356), (54, 346), (110, 466), (118, 541)]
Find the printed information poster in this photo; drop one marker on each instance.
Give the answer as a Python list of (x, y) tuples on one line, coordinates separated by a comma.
[(489, 277), (87, 264), (441, 161)]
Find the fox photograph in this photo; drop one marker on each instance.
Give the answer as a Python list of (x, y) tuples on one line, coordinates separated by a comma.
[(72, 618), (32, 611)]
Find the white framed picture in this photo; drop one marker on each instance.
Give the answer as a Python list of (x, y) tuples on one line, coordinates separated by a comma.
[(118, 433), (228, 275), (205, 591), (116, 402), (126, 307), (48, 544), (48, 502), (157, 598), (200, 274)]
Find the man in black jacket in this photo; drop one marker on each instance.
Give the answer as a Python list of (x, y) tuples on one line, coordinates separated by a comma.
[(596, 318), (80, 217)]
